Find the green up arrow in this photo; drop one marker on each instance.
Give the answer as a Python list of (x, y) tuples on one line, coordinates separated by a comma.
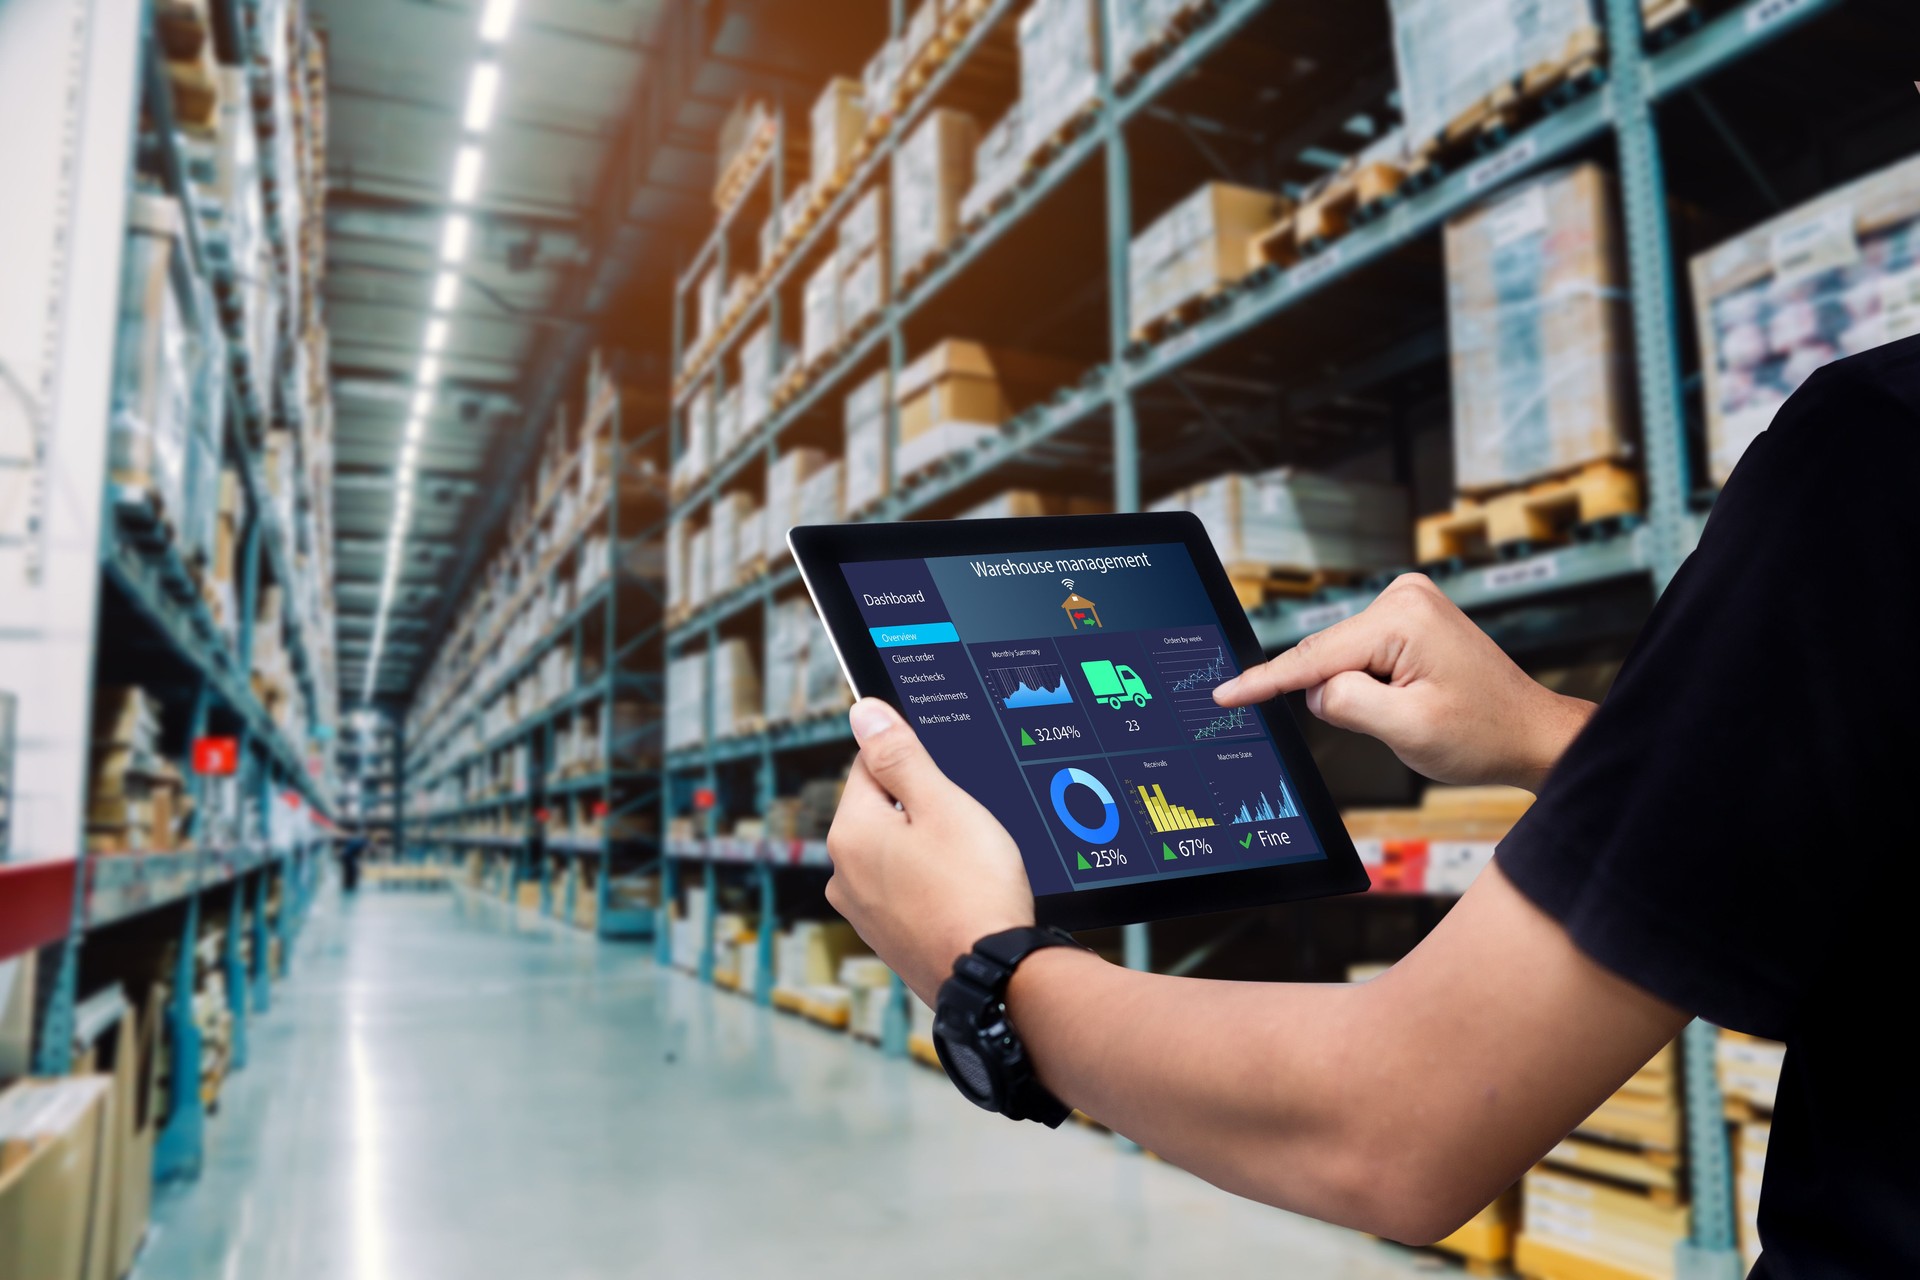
[(1026, 739), (1167, 853), (1084, 864)]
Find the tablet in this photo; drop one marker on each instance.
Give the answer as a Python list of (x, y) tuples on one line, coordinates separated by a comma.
[(1061, 670)]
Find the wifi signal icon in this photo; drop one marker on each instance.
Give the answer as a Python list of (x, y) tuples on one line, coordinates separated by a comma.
[(1067, 583)]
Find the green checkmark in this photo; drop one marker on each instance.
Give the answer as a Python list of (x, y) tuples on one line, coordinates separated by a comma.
[(1246, 841)]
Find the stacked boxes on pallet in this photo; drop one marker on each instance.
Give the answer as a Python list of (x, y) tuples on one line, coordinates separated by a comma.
[(803, 675), (820, 311), (1455, 56), (1440, 846), (1298, 520), (1138, 25), (1537, 325), (1606, 1201), (1831, 278), (1059, 67), (1749, 1069), (998, 161), (806, 963), (839, 117), (932, 169), (1199, 246), (868, 455), (159, 362), (863, 261), (135, 798), (869, 985)]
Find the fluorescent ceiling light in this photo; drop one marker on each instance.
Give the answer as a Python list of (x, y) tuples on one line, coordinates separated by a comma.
[(466, 173), (429, 374), (453, 240), (408, 452), (416, 428), (446, 290), (482, 89), (495, 19), (436, 334), (422, 402)]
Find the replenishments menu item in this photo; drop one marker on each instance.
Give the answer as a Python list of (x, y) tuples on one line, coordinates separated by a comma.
[(1071, 692)]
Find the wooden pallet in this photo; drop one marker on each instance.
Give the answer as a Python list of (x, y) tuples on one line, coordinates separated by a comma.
[(1179, 316), (733, 182), (1352, 196), (1255, 584), (1490, 121), (1546, 513), (1665, 21), (1655, 1172), (1155, 49)]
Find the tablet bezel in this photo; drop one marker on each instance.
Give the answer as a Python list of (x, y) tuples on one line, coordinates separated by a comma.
[(820, 550)]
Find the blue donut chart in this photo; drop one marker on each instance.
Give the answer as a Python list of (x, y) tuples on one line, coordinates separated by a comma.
[(1109, 826)]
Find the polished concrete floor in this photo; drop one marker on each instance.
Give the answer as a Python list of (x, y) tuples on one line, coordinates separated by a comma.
[(444, 1089)]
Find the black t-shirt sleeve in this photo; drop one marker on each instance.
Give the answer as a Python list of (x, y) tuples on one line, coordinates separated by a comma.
[(1707, 834)]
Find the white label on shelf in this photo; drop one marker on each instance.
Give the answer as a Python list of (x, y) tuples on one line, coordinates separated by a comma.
[(1813, 245), (1317, 268), (1765, 13), (1321, 616), (1520, 574), (1508, 161)]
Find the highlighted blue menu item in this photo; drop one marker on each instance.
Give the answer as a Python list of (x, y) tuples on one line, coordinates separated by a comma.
[(917, 633)]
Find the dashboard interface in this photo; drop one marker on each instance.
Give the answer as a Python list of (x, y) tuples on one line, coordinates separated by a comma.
[(1071, 692)]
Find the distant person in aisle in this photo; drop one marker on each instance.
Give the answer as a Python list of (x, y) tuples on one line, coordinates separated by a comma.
[(1714, 839), (351, 852)]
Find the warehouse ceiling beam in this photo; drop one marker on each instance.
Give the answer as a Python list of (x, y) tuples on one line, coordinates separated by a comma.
[(382, 481), (505, 311), (419, 223)]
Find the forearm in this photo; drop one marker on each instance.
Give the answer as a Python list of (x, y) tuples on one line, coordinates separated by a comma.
[(1255, 1087), (1556, 722)]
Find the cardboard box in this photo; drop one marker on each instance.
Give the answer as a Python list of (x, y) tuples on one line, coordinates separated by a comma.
[(1538, 331), (1451, 54), (1830, 278), (56, 1192), (881, 77), (820, 315), (863, 291), (863, 229), (932, 169), (998, 161), (736, 688), (756, 379), (1197, 247), (1059, 67), (1017, 503), (839, 118), (954, 383), (1300, 520), (869, 443)]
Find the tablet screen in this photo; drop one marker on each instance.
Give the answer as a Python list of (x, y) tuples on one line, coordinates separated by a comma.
[(1071, 692)]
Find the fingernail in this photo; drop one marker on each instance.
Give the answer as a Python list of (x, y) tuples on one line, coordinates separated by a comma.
[(871, 717), (1225, 688)]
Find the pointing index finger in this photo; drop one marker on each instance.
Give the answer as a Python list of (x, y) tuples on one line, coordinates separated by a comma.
[(1364, 642)]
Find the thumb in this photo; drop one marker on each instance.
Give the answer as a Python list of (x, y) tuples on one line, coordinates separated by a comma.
[(1355, 700), (893, 753)]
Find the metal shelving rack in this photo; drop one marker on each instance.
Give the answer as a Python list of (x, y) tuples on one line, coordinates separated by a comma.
[(621, 611), (112, 76), (1620, 110)]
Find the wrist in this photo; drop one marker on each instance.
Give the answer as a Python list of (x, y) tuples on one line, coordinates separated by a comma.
[(1560, 721)]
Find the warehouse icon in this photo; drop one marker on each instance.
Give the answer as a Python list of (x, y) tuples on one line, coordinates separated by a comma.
[(1080, 611)]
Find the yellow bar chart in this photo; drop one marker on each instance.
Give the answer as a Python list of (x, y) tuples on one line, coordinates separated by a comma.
[(1166, 815)]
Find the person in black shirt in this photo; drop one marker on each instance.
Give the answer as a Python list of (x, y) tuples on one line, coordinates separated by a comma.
[(1718, 838)]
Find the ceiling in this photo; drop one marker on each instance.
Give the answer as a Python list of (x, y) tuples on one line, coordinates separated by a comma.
[(596, 186)]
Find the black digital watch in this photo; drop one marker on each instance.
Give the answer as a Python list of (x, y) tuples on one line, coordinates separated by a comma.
[(977, 1045)]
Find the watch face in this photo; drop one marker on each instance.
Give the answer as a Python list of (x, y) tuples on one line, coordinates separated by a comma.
[(968, 1070)]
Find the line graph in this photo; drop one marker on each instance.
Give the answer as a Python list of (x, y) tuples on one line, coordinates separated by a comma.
[(1190, 674), (1041, 684)]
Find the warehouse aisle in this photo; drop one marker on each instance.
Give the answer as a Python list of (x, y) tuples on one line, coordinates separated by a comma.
[(444, 1092)]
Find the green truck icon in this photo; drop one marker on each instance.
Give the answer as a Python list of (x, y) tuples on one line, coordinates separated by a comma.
[(1115, 683)]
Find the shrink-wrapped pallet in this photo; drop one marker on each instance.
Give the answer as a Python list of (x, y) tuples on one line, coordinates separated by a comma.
[(932, 170), (1833, 277), (820, 501), (1059, 67), (686, 701), (699, 567), (1537, 326), (868, 444), (839, 116), (1197, 247), (736, 688), (729, 423), (1138, 24), (863, 292), (820, 310), (786, 487), (862, 231), (730, 509), (881, 77), (997, 164), (156, 361), (1452, 54), (756, 378), (1300, 520), (696, 440)]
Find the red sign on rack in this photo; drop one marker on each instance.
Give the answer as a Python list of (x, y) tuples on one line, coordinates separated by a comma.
[(216, 757), (704, 799), (599, 808)]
